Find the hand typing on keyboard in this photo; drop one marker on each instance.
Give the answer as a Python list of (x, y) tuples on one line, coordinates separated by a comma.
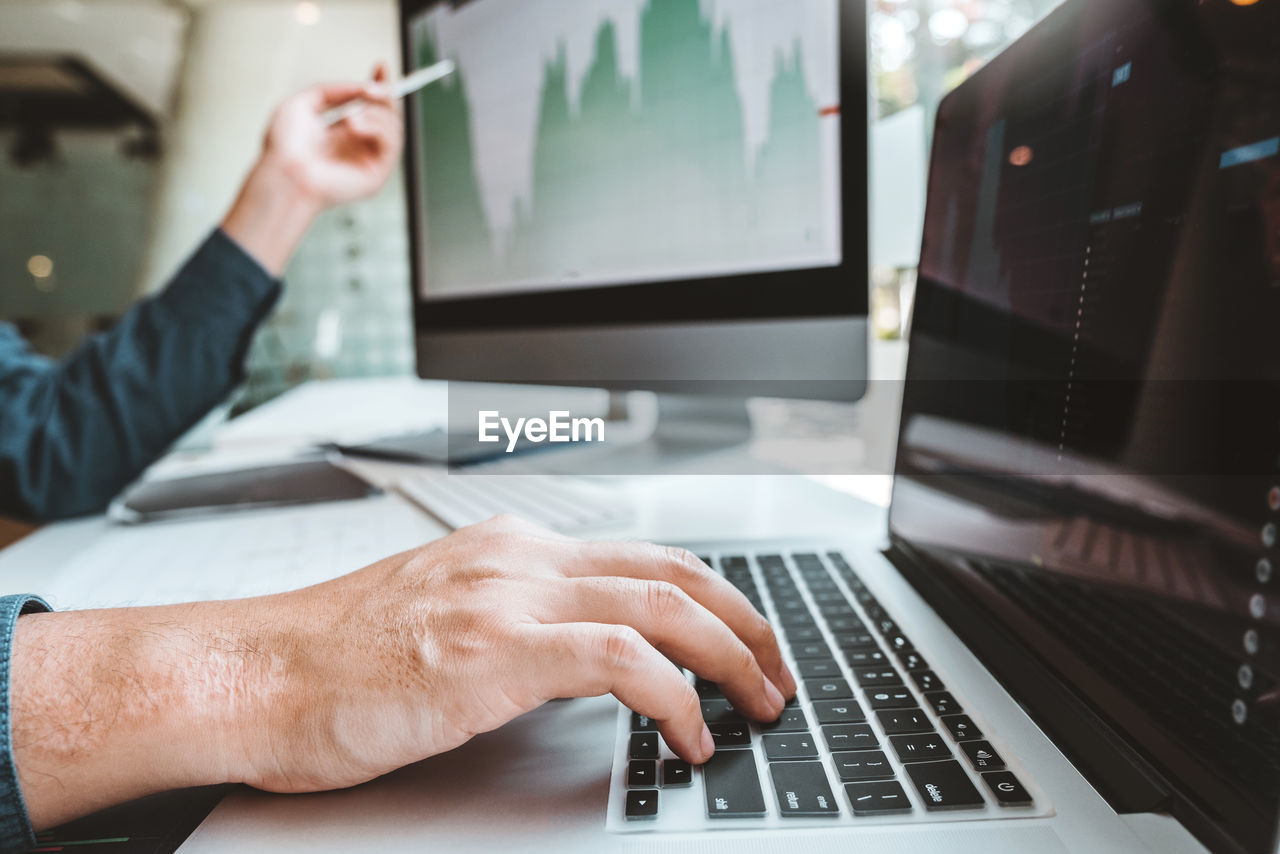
[(335, 684)]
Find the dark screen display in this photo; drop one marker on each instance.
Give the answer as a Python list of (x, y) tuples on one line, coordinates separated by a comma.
[(1090, 436)]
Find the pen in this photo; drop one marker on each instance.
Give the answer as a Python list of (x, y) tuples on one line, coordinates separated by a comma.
[(407, 86)]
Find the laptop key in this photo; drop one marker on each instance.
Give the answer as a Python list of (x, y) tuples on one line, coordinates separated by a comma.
[(944, 786), (790, 605), (877, 798), (856, 639), (943, 703), (898, 642), (850, 737), (913, 661), (838, 712), (802, 789), (730, 735), (812, 650), (642, 774), (799, 745), (876, 677), (676, 774), (922, 747), (804, 636), (797, 620), (1008, 791), (731, 785), (828, 689), (640, 723), (892, 698), (642, 804), (791, 720), (982, 756), (864, 765), (644, 745), (961, 728), (867, 656), (927, 680), (903, 721), (720, 712), (818, 668)]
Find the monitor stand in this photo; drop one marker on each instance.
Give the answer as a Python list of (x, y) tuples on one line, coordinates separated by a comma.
[(700, 424)]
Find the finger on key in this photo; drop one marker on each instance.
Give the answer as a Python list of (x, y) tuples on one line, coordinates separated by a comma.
[(713, 592), (678, 627), (590, 659)]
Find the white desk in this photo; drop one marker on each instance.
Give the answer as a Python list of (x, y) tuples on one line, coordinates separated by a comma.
[(90, 562)]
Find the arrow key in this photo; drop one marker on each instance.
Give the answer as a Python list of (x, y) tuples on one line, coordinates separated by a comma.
[(676, 774), (642, 804), (644, 745), (642, 773)]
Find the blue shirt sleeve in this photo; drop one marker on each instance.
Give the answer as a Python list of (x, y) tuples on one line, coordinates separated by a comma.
[(74, 433), (15, 827)]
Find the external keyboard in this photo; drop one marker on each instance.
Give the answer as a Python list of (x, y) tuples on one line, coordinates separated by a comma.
[(874, 732), (555, 502)]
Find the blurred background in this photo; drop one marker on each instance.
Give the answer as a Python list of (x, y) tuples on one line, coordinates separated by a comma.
[(126, 126)]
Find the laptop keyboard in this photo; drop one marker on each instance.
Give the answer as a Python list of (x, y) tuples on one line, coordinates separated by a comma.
[(873, 732)]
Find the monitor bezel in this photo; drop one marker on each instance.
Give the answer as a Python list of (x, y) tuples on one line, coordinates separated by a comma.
[(824, 292)]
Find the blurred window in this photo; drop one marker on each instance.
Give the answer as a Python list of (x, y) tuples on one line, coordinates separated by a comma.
[(920, 51)]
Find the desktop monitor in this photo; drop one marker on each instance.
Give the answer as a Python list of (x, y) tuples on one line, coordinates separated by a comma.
[(665, 195)]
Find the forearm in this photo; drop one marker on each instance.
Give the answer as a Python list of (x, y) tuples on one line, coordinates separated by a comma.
[(73, 434), (111, 705), (271, 214)]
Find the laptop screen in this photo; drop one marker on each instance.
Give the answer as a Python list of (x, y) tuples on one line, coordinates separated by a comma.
[(1089, 449)]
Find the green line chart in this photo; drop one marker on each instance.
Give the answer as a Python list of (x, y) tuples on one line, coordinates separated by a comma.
[(609, 141)]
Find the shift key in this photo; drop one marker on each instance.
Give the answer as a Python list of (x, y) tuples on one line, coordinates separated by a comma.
[(732, 785)]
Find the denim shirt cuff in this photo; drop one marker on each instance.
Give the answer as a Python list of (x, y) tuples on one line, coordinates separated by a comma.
[(15, 826)]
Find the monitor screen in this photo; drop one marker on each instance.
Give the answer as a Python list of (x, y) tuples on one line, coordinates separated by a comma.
[(614, 161), (1089, 449), (614, 141)]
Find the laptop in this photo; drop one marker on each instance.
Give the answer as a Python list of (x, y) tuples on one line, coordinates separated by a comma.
[(1064, 638)]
